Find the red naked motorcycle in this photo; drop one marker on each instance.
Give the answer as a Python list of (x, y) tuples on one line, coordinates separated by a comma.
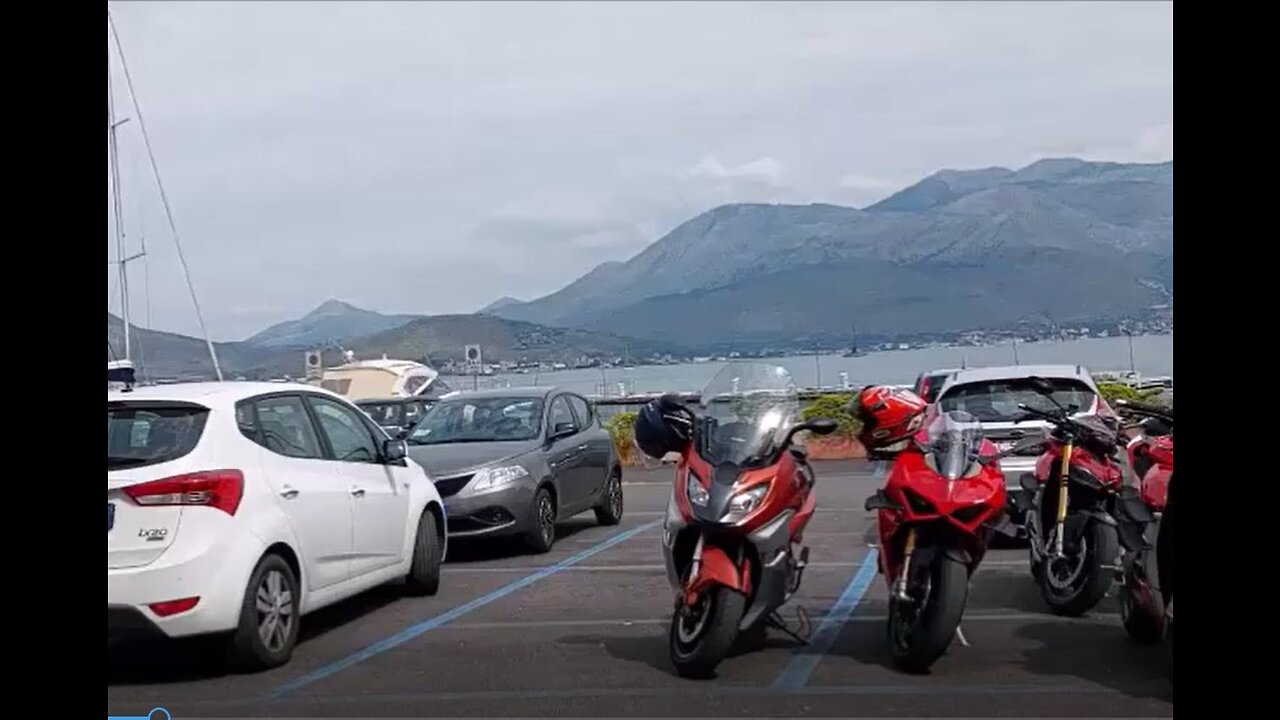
[(743, 494), (1070, 502), (1146, 595), (943, 499)]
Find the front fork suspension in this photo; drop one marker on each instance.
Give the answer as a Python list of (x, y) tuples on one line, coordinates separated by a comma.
[(909, 547), (1055, 545)]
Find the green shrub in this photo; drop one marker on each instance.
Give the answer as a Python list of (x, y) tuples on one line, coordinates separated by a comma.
[(834, 407), (622, 428), (1118, 391)]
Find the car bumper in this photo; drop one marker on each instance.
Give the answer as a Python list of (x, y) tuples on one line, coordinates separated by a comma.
[(506, 511), (216, 571)]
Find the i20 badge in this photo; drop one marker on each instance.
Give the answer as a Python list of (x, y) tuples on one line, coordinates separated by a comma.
[(153, 534)]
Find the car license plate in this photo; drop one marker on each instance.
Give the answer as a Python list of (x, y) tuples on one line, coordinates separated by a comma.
[(111, 516)]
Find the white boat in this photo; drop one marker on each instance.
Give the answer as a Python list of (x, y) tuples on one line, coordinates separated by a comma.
[(368, 379)]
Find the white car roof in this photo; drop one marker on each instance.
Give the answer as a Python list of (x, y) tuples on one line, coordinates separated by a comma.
[(211, 394), (1013, 372)]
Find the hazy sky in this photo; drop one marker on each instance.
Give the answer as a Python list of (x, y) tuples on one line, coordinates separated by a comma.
[(430, 158)]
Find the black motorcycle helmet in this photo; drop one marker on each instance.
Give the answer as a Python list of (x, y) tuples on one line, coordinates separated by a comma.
[(663, 426)]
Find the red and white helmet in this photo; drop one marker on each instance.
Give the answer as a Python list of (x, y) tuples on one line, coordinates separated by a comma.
[(889, 415)]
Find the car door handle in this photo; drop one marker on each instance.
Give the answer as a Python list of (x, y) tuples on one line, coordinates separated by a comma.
[(288, 492), (357, 491), (582, 447)]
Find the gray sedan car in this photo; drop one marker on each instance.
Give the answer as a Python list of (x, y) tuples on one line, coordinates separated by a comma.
[(517, 461)]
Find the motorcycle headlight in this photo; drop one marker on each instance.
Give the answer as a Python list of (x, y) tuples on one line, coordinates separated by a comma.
[(492, 478), (694, 491), (746, 501)]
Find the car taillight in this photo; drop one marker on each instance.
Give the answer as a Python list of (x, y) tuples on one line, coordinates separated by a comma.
[(221, 489), (173, 607)]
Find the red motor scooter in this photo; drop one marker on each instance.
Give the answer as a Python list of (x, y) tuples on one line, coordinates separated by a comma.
[(943, 498), (1146, 595), (733, 536)]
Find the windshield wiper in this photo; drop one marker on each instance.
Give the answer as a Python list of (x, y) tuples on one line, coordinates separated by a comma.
[(125, 461)]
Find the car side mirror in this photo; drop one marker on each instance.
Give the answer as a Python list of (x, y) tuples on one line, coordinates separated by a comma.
[(563, 429), (394, 449)]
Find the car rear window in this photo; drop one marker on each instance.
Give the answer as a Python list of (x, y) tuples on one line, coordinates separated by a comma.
[(998, 400), (149, 433)]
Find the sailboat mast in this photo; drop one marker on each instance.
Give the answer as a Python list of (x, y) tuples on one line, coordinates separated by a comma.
[(116, 205)]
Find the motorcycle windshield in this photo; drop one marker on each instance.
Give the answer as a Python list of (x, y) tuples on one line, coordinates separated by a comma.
[(746, 411), (953, 438)]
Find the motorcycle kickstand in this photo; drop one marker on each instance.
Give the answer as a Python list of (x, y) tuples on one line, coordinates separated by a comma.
[(964, 642), (801, 634)]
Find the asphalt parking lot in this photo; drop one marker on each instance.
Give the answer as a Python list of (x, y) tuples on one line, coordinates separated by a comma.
[(582, 632)]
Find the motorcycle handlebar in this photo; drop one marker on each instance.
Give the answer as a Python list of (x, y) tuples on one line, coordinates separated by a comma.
[(1138, 408), (1053, 417)]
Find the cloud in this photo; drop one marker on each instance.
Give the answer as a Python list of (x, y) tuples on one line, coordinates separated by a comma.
[(431, 157), (763, 170)]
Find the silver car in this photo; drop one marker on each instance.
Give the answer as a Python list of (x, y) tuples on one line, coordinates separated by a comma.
[(992, 394), (518, 461)]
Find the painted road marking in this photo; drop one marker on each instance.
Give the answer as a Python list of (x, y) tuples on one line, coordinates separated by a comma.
[(806, 658), (803, 662), (936, 689), (654, 567), (1093, 619), (414, 631)]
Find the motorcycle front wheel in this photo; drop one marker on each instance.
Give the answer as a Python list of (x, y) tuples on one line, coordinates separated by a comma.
[(702, 633), (1075, 583), (921, 630)]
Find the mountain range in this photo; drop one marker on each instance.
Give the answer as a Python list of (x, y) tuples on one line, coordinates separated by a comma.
[(1059, 241), (435, 339)]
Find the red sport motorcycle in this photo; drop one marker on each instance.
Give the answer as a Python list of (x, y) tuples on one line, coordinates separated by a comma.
[(943, 499), (1146, 595), (743, 494), (1070, 502)]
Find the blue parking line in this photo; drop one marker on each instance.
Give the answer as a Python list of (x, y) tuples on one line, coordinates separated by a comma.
[(414, 631), (796, 674)]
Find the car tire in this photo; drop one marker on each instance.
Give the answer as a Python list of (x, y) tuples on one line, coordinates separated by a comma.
[(270, 599), (609, 511), (424, 570), (542, 534)]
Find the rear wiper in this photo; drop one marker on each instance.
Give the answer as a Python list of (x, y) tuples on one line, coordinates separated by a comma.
[(124, 461)]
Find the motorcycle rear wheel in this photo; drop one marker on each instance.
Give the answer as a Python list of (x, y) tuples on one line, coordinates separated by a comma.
[(701, 637), (920, 633)]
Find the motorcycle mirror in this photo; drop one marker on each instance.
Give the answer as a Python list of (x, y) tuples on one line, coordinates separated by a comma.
[(817, 426), (820, 426)]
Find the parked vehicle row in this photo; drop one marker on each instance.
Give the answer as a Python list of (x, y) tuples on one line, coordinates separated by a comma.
[(742, 497), (237, 508)]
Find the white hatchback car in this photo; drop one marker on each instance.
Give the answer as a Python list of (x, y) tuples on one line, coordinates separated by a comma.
[(238, 507)]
